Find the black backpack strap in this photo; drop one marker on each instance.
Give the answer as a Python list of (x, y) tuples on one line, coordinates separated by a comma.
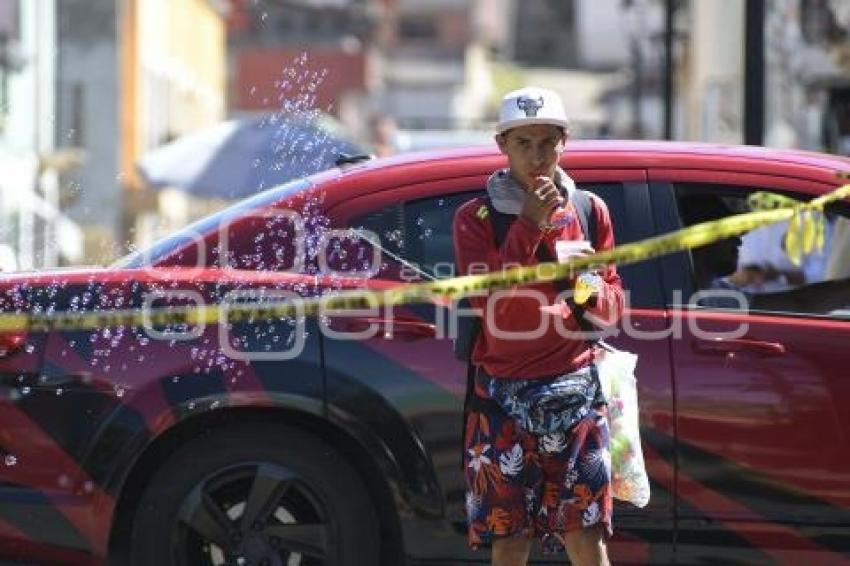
[(586, 217), (499, 221)]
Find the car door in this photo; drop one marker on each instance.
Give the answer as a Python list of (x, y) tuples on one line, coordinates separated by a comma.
[(404, 382), (421, 384), (761, 420)]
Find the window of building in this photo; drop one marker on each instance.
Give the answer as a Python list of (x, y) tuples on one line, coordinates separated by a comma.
[(418, 28)]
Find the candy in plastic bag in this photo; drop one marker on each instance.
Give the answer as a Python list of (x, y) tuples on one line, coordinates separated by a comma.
[(628, 473)]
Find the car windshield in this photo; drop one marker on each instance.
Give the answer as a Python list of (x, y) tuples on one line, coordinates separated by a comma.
[(164, 248)]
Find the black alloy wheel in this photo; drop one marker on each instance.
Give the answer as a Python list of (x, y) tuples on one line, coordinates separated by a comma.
[(256, 497), (254, 514)]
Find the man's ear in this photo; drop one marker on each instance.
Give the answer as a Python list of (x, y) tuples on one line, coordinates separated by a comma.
[(564, 137), (501, 141)]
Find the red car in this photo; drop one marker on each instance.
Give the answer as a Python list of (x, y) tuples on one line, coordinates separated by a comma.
[(279, 441)]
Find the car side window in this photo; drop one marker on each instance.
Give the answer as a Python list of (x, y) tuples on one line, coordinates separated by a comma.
[(755, 271), (416, 236), (265, 241)]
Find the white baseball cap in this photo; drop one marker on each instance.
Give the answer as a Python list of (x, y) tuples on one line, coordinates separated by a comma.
[(531, 105)]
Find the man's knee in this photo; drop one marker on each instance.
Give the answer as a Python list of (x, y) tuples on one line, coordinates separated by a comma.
[(586, 547), (511, 551)]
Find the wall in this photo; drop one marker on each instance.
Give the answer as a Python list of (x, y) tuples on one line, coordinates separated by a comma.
[(179, 87), (32, 225), (88, 96), (714, 81)]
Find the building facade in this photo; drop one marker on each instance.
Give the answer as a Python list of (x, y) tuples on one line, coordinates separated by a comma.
[(807, 73), (133, 74), (35, 233), (438, 71), (545, 33), (307, 55)]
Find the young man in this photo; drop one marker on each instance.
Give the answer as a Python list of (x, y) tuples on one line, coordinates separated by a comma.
[(536, 456)]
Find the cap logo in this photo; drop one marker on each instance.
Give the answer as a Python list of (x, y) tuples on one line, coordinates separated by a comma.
[(529, 105)]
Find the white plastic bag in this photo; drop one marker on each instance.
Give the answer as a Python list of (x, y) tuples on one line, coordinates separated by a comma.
[(628, 473)]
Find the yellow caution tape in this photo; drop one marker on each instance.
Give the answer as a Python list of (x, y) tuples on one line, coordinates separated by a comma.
[(793, 241), (763, 200), (820, 239), (454, 288), (809, 226)]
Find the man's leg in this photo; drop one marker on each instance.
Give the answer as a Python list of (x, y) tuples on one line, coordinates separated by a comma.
[(511, 551), (586, 547), (581, 472)]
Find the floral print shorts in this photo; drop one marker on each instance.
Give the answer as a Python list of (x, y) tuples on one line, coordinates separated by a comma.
[(524, 485)]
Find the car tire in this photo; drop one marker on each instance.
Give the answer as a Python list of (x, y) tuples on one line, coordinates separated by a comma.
[(256, 496)]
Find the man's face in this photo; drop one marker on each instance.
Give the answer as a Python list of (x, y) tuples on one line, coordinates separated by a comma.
[(532, 151)]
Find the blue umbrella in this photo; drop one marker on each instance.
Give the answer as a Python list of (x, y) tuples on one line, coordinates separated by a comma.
[(238, 158)]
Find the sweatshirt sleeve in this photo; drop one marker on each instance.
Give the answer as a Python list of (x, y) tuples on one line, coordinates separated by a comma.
[(609, 303)]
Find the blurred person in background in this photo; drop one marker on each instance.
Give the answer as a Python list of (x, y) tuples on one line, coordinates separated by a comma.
[(383, 133)]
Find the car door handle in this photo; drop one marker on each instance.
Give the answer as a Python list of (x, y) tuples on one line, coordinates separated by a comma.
[(724, 346), (390, 328)]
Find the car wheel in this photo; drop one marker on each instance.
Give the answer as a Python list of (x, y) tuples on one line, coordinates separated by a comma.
[(256, 496)]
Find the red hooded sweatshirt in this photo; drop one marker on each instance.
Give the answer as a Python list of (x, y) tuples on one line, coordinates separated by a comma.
[(540, 349)]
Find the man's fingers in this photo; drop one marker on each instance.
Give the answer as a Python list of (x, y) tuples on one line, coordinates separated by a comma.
[(547, 194)]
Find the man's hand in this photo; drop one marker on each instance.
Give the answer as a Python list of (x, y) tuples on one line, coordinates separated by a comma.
[(541, 199)]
